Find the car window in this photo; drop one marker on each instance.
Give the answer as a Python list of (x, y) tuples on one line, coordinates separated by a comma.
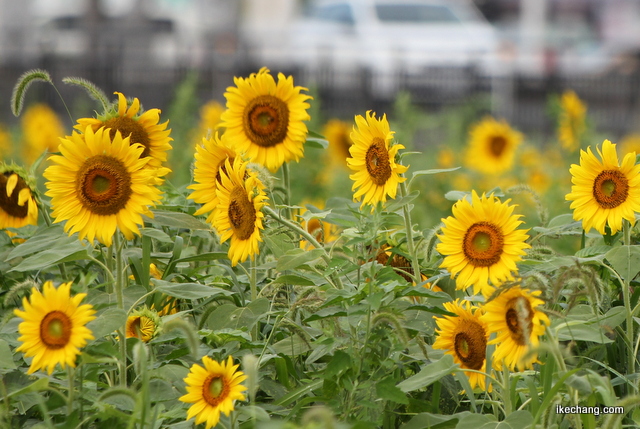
[(340, 12), (415, 13)]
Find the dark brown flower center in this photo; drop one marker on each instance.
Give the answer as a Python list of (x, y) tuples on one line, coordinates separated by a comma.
[(400, 263), (483, 244), (497, 145), (519, 319), (242, 213), (131, 128), (470, 344), (222, 167), (610, 188), (9, 204), (266, 120), (55, 330), (377, 162), (103, 185), (214, 390)]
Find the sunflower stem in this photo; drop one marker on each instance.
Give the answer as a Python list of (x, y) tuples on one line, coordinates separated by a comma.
[(120, 299), (506, 391), (415, 264), (626, 229), (336, 281), (70, 377), (286, 177), (253, 279)]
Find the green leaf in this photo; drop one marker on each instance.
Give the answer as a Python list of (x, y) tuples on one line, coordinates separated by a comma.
[(211, 256), (435, 421), (456, 195), (625, 260), (428, 172), (323, 313), (36, 386), (68, 252), (107, 322), (176, 220), (429, 374), (290, 346), (296, 257), (156, 234), (43, 239), (386, 389), (292, 279), (516, 420), (579, 330), (188, 290), (397, 204), (23, 84), (317, 143), (6, 357), (340, 363)]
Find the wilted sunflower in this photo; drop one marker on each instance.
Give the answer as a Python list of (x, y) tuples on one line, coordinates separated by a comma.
[(514, 317), (337, 133), (238, 215), (210, 161), (212, 390), (465, 338), (53, 328), (41, 130), (377, 175), (144, 129), (605, 192), (100, 184), (143, 324), (481, 243), (492, 146), (18, 205), (265, 120), (571, 121)]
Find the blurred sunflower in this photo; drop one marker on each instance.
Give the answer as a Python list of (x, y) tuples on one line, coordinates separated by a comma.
[(99, 184), (18, 205), (492, 146), (210, 114), (373, 158), (337, 134), (210, 162), (481, 243), (605, 192), (238, 215), (265, 119), (323, 232), (446, 157), (6, 143), (400, 264), (465, 338), (144, 129), (571, 120), (41, 130), (53, 326), (630, 143), (212, 390), (143, 324), (514, 317)]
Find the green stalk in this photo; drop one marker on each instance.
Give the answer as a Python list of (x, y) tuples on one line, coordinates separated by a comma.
[(286, 177), (70, 377), (626, 229), (415, 264), (506, 391), (120, 300), (254, 293)]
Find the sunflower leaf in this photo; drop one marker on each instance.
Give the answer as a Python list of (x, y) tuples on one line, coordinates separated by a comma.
[(429, 374), (428, 172), (23, 84), (317, 143)]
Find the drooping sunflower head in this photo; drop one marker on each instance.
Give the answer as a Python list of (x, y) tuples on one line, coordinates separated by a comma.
[(209, 165), (265, 119), (18, 206), (144, 129), (481, 243), (212, 390), (492, 146), (337, 133), (143, 324), (571, 121), (464, 337), (604, 192), (238, 214), (53, 326), (41, 130), (373, 158), (515, 318), (100, 183)]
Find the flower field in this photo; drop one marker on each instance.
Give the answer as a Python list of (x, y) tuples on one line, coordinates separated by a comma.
[(264, 266)]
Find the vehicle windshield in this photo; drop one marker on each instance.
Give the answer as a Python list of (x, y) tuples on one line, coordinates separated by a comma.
[(415, 13)]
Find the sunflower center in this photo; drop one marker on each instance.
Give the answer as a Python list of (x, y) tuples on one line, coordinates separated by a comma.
[(214, 390), (610, 188), (497, 145), (266, 120), (9, 204), (377, 161), (222, 167), (103, 185), (242, 213), (519, 319), (470, 344), (55, 330), (131, 128), (483, 244)]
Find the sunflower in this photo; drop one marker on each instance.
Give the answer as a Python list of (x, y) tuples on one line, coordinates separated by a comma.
[(373, 159), (212, 390), (265, 119), (210, 162), (100, 184), (18, 205), (571, 120), (399, 263), (337, 134), (210, 114), (6, 143), (41, 130), (465, 338), (322, 231), (630, 143), (143, 324), (605, 192), (53, 328), (144, 129), (446, 157), (514, 317), (481, 243), (492, 146), (238, 215)]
